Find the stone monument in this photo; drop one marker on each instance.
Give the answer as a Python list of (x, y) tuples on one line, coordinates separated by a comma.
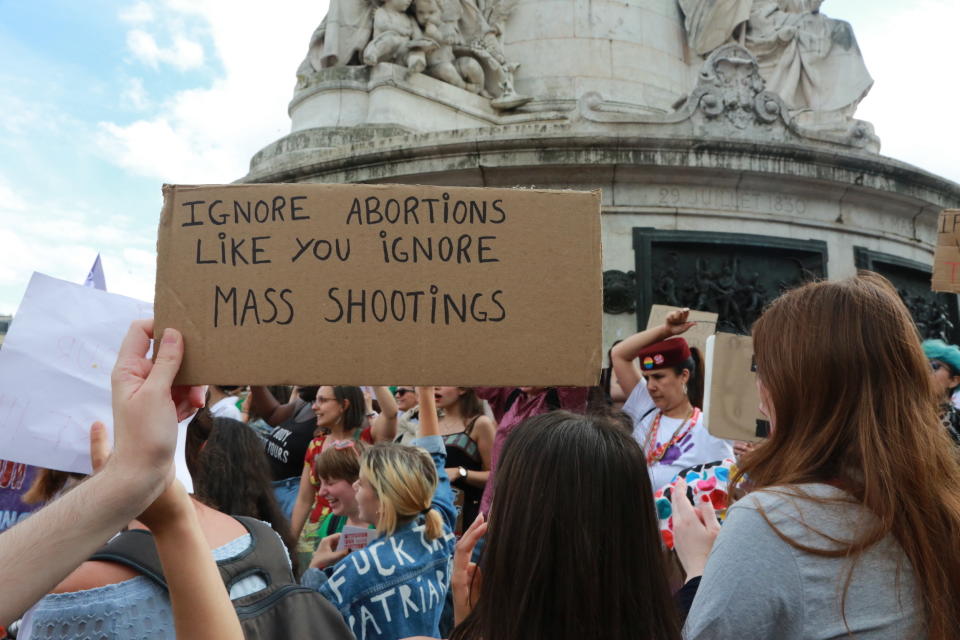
[(721, 132)]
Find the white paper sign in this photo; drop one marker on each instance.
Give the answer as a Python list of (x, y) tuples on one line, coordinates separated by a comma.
[(55, 369), (354, 538)]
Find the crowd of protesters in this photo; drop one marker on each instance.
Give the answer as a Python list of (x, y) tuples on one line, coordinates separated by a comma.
[(516, 513)]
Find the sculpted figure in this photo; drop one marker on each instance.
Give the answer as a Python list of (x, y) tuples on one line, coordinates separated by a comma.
[(341, 37), (810, 60), (442, 63), (452, 40), (396, 38)]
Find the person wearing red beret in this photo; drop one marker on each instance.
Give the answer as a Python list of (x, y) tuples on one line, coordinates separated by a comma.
[(664, 398)]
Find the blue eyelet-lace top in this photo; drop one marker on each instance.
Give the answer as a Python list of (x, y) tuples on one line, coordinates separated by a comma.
[(132, 610)]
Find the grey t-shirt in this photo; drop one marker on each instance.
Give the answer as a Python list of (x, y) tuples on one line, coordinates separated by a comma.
[(758, 586)]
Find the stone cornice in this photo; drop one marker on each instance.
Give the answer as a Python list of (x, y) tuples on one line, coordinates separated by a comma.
[(464, 155)]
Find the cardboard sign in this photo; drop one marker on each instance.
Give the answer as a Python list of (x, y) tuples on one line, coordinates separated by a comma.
[(371, 284), (55, 365), (946, 257), (730, 396), (697, 335), (354, 538)]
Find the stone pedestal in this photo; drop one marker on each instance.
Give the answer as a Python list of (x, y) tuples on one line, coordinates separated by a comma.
[(675, 143)]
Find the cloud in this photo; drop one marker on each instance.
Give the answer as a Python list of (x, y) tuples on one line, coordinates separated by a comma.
[(67, 248), (912, 101), (135, 95), (184, 54), (208, 134), (138, 13)]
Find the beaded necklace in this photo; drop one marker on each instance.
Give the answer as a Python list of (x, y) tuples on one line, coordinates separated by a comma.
[(655, 454)]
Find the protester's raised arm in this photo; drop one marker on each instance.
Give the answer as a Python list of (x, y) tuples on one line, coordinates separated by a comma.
[(199, 600), (146, 410), (429, 423), (264, 404), (623, 355), (384, 427)]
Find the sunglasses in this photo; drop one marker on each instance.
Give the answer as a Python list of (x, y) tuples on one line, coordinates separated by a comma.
[(400, 391), (340, 445)]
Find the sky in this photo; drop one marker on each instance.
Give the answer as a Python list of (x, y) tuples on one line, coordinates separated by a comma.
[(104, 101)]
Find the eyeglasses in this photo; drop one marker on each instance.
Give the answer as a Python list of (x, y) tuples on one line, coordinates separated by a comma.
[(321, 400), (340, 445), (400, 391)]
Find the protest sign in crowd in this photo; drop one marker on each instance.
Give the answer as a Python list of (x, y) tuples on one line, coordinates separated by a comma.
[(513, 512)]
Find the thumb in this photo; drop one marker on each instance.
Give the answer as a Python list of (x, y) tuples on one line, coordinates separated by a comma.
[(99, 446), (169, 357)]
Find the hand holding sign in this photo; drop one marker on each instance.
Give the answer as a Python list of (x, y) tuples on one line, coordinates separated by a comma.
[(385, 268), (328, 552)]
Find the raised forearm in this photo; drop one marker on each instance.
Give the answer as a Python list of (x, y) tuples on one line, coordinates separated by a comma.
[(95, 510), (623, 355), (262, 403), (198, 597)]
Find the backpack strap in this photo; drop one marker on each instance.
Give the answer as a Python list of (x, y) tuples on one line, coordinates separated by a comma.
[(265, 556), (134, 549)]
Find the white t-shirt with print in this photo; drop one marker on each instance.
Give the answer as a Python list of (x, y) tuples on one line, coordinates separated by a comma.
[(226, 408), (696, 447)]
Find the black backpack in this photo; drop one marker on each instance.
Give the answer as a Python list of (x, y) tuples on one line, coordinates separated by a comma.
[(283, 610)]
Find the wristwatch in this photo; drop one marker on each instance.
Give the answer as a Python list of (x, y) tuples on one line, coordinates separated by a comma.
[(463, 473)]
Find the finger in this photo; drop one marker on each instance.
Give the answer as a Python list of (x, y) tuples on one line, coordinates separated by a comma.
[(135, 344), (476, 523), (99, 446), (188, 400), (468, 542), (169, 357), (682, 509), (708, 514)]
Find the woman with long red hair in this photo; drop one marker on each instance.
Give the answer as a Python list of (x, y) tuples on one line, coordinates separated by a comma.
[(853, 524)]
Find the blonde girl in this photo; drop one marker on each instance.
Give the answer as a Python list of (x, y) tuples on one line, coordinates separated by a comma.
[(396, 587)]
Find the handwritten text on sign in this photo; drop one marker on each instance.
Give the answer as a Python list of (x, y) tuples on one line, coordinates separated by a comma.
[(379, 282), (946, 258)]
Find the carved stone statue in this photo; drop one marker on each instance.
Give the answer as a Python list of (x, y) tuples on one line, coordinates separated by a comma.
[(397, 38), (808, 59), (451, 40)]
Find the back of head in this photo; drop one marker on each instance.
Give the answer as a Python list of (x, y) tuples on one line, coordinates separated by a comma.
[(232, 475), (573, 547), (405, 479), (355, 414), (853, 405)]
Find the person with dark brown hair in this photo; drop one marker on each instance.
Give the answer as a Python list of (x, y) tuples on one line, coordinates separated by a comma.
[(852, 527), (468, 437), (230, 474), (572, 544), (664, 398)]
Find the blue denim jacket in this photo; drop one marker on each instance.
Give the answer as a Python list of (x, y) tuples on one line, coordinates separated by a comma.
[(396, 587)]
